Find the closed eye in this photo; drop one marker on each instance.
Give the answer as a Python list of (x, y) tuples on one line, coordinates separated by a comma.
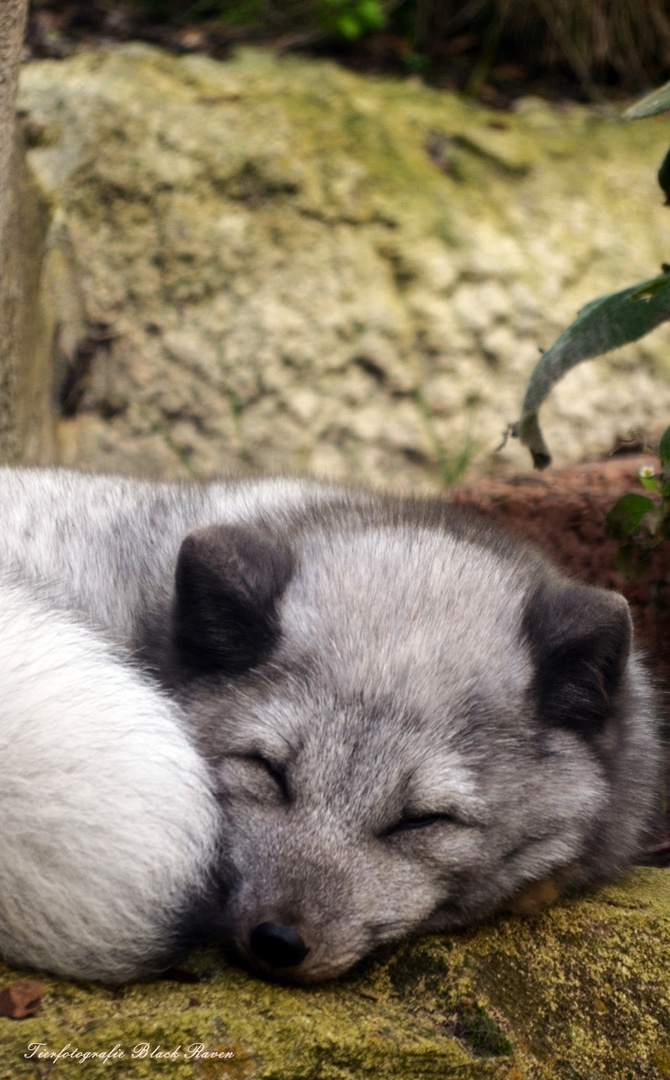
[(273, 771), (423, 821)]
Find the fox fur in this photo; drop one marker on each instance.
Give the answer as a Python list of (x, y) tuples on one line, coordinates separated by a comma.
[(298, 720)]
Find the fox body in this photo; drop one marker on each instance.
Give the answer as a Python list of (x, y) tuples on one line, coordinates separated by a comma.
[(297, 719)]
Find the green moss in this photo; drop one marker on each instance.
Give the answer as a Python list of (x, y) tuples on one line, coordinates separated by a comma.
[(421, 967), (578, 992), (480, 1032)]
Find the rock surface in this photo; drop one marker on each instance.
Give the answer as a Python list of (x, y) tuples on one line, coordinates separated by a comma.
[(579, 992), (277, 264)]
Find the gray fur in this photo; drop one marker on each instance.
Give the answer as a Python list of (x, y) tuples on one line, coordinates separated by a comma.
[(405, 719)]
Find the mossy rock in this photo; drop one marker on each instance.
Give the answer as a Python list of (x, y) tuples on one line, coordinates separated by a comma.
[(272, 263), (579, 992)]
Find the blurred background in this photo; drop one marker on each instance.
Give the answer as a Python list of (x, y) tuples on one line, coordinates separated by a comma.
[(329, 236), (493, 48)]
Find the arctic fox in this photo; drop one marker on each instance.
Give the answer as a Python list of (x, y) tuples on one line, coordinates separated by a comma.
[(296, 719)]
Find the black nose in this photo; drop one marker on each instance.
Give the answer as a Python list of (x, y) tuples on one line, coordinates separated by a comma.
[(278, 946)]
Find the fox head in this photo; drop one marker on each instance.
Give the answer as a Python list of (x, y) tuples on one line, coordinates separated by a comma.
[(409, 718)]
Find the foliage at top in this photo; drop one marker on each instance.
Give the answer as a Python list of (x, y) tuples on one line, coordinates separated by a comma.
[(348, 18), (588, 43)]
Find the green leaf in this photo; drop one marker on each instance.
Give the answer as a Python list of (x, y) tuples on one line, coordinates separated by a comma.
[(663, 178), (371, 14), (627, 513), (348, 27), (602, 325), (649, 482), (646, 291), (657, 101), (352, 18), (664, 447)]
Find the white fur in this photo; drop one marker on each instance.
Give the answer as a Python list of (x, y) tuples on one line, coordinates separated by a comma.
[(105, 805)]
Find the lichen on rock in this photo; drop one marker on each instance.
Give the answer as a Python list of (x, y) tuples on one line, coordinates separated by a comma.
[(580, 991), (277, 264)]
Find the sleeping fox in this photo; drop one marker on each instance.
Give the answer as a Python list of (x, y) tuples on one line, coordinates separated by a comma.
[(297, 719)]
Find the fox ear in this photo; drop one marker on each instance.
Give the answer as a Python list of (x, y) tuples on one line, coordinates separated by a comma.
[(580, 639), (229, 580)]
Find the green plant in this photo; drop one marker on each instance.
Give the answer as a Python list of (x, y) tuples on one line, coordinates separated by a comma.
[(641, 522), (603, 324), (350, 18)]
